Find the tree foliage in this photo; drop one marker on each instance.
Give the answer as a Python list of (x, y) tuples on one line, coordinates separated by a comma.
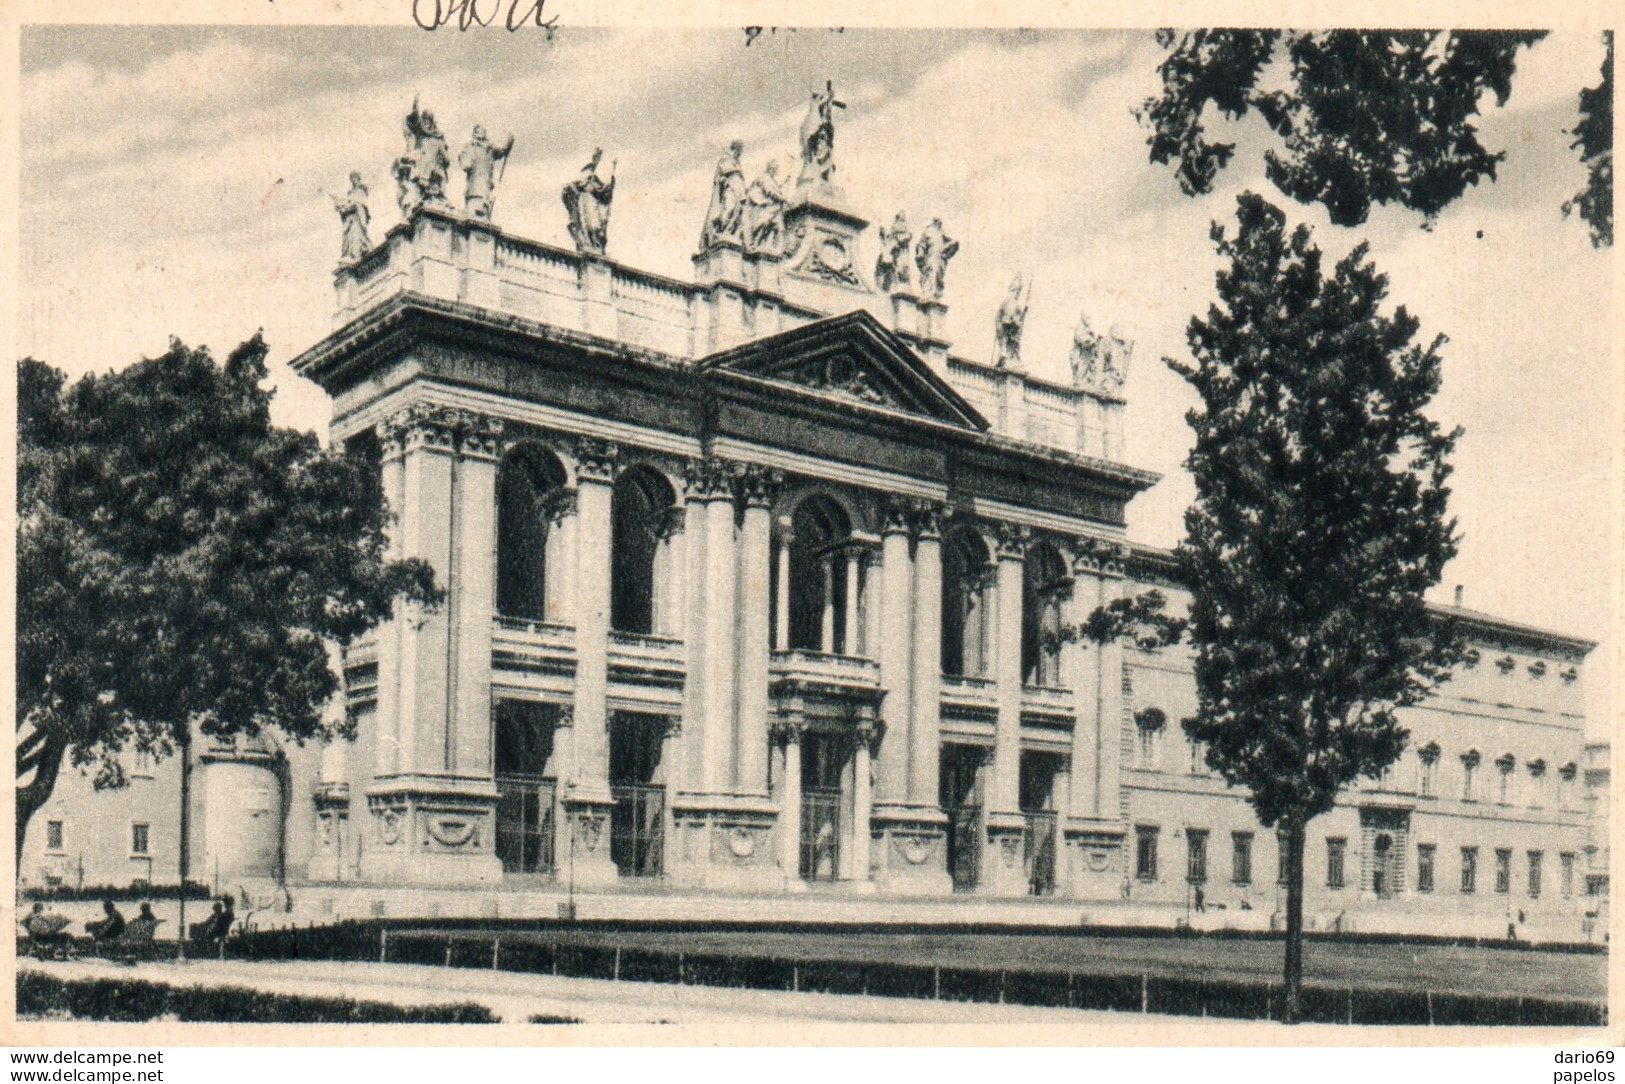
[(1365, 117), (182, 561), (1142, 619), (1594, 139), (1320, 519)]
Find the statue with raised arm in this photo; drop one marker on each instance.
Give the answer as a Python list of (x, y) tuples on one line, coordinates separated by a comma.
[(353, 213), (1007, 327), (891, 266), (483, 164), (818, 137), (422, 168), (931, 255), (587, 200), (723, 218), (762, 220)]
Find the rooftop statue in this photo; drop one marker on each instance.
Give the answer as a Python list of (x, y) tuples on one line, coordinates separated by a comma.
[(353, 213), (762, 220), (1114, 367), (587, 199), (723, 218), (421, 170), (483, 164), (1099, 362), (818, 137), (891, 266), (1007, 327), (931, 255)]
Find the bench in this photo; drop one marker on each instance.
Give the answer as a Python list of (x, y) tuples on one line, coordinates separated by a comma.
[(47, 937), (135, 941)]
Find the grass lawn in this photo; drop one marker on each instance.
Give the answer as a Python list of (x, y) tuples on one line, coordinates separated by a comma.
[(1440, 968)]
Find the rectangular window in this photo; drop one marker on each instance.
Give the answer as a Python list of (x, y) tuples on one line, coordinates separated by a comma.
[(1336, 848), (1503, 869), (1281, 870), (138, 839), (1196, 855), (1469, 869), (1424, 867), (1567, 859), (1425, 783), (53, 835), (1241, 858), (142, 764), (1145, 852), (1534, 874)]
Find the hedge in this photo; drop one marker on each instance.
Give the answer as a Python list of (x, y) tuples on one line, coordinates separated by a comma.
[(43, 996)]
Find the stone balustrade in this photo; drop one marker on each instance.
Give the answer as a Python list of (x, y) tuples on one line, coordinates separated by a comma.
[(448, 256)]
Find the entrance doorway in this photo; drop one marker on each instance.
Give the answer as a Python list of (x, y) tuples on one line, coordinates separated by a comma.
[(960, 789), (526, 789), (1382, 881), (637, 826), (823, 760), (1037, 797)]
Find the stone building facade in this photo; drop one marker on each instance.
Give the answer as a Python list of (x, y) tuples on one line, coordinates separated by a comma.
[(754, 587)]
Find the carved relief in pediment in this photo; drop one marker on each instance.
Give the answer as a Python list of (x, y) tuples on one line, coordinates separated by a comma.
[(843, 375)]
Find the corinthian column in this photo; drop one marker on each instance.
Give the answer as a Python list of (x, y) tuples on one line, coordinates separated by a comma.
[(926, 719), (757, 485), (430, 800), (595, 479), (712, 653), (423, 439), (893, 653), (473, 542), (1002, 870), (1003, 795)]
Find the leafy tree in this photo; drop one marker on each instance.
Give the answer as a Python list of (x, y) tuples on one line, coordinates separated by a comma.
[(181, 561), (1320, 521), (1594, 139), (1366, 117)]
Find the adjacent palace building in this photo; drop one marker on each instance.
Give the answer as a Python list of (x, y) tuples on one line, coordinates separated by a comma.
[(756, 590)]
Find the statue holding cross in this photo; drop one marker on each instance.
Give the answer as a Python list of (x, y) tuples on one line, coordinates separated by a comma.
[(818, 137)]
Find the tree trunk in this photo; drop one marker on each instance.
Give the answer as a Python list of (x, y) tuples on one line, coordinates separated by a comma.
[(44, 759), (1292, 1010)]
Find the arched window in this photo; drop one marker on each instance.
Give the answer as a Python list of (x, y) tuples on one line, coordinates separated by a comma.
[(820, 553), (530, 480), (639, 556), (1044, 584), (966, 577)]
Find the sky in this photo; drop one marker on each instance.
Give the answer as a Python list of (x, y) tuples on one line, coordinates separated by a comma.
[(172, 185)]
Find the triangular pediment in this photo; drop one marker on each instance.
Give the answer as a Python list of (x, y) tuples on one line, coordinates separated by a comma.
[(856, 359)]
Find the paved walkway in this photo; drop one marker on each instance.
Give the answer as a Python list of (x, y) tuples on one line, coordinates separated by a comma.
[(753, 1016)]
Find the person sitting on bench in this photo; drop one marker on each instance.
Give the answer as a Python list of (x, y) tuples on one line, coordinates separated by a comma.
[(108, 927), (218, 924), (47, 930)]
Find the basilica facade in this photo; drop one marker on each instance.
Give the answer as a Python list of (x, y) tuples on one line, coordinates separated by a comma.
[(755, 587)]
